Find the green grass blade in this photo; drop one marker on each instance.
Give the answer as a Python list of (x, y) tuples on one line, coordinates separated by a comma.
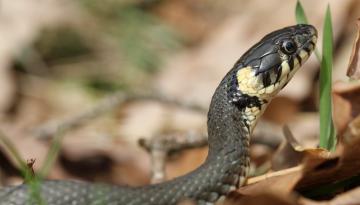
[(327, 130), (30, 179), (300, 13), (302, 19), (52, 154), (4, 140)]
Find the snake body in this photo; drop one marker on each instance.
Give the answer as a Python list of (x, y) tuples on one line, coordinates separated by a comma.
[(237, 104)]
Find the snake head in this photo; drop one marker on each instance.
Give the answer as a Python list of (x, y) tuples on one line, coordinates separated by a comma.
[(269, 65)]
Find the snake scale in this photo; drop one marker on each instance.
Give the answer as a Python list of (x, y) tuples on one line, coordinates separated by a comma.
[(236, 105)]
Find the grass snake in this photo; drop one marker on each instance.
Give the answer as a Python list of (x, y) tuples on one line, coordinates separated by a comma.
[(238, 102)]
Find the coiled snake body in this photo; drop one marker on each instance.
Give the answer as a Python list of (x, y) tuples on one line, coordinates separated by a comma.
[(237, 104)]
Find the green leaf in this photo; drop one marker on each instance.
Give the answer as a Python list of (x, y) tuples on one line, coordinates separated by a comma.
[(32, 180), (52, 154), (300, 13), (327, 130)]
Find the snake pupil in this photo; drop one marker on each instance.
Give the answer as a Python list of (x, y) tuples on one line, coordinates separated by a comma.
[(289, 47)]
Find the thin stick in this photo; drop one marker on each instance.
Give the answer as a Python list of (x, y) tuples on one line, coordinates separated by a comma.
[(160, 147), (50, 129), (257, 179)]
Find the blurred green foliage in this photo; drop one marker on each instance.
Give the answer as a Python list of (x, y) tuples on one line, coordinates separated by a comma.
[(139, 42), (141, 36), (61, 43)]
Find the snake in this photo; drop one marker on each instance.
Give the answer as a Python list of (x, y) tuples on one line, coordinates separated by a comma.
[(236, 105)]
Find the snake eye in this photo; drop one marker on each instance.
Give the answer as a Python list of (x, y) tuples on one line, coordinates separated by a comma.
[(288, 47)]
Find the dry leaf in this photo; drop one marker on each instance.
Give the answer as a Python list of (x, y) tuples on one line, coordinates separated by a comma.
[(291, 152), (346, 99), (282, 181), (270, 197), (353, 130), (322, 169), (318, 168), (354, 66), (349, 198)]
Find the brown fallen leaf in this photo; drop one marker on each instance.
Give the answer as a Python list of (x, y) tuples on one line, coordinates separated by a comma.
[(346, 100), (354, 67), (291, 153), (318, 168), (351, 197), (107, 159), (282, 181), (263, 199), (287, 155), (322, 169), (353, 130)]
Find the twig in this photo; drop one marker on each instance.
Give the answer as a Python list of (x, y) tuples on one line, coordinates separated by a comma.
[(174, 142), (257, 179), (50, 129), (266, 133), (158, 158), (160, 147)]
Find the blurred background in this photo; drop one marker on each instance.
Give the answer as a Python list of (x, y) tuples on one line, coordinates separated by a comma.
[(62, 59)]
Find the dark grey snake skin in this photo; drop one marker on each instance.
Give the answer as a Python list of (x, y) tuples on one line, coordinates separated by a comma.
[(229, 129)]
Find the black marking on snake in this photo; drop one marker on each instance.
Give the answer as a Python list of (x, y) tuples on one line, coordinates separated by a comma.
[(266, 79), (291, 63), (245, 100), (284, 84), (239, 99), (308, 51), (246, 123), (312, 43), (299, 59), (278, 73)]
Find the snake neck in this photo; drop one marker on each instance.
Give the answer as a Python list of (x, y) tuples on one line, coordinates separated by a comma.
[(226, 165), (226, 123), (229, 134)]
